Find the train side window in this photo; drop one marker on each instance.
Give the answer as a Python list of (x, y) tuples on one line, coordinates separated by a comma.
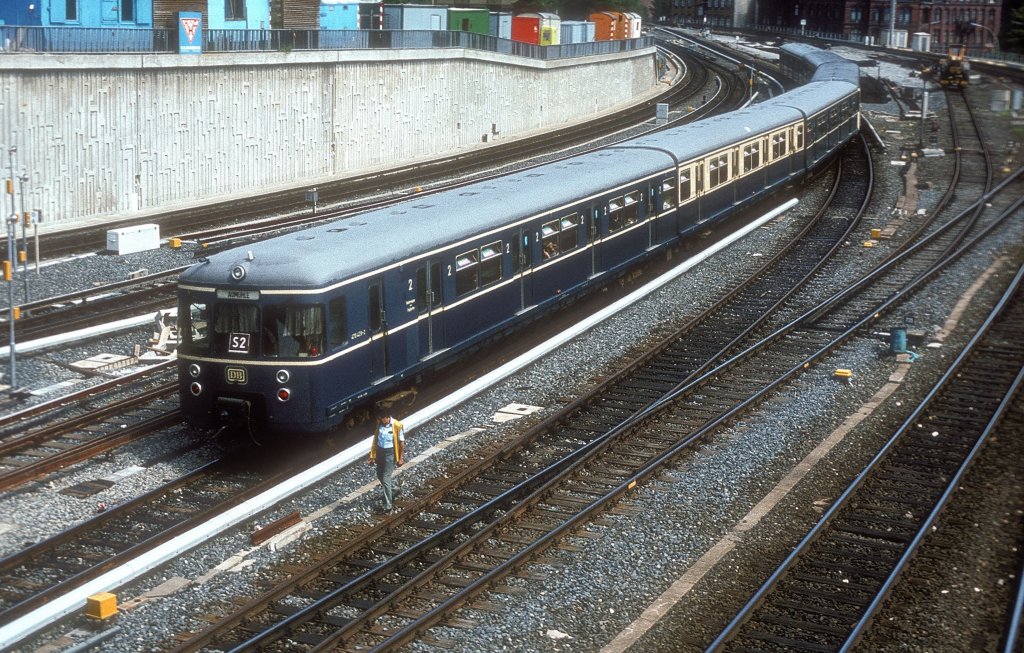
[(798, 139), (235, 329), (490, 263), (569, 234), (338, 322), (435, 284), (306, 325), (425, 291), (466, 273), (374, 319), (779, 145), (195, 328), (685, 184), (421, 289), (623, 211), (718, 170), (549, 239), (669, 193), (517, 262), (751, 156)]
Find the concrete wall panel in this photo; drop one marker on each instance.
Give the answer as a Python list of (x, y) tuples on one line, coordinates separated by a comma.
[(122, 136)]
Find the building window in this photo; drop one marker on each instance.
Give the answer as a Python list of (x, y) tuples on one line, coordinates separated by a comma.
[(70, 10), (234, 9), (127, 8)]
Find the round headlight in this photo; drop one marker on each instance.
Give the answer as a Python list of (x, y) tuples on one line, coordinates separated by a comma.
[(238, 273), (284, 394), (195, 389), (193, 371), (283, 376)]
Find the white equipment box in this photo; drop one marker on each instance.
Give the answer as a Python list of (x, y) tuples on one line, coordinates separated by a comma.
[(128, 240)]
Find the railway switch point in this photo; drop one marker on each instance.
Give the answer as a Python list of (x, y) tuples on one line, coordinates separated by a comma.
[(101, 606)]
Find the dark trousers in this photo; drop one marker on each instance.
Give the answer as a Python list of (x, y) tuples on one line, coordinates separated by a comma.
[(385, 470)]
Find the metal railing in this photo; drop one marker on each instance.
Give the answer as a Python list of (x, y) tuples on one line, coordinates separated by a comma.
[(36, 39), (973, 51)]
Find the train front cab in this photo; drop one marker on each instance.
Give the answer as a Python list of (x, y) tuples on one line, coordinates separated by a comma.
[(245, 355)]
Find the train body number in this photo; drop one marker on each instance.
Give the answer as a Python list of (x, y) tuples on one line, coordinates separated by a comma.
[(238, 343)]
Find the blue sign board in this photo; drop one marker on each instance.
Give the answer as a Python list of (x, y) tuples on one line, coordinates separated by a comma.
[(190, 32)]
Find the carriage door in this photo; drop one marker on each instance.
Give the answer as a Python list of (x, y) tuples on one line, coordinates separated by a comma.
[(428, 301), (522, 264), (592, 218), (377, 322)]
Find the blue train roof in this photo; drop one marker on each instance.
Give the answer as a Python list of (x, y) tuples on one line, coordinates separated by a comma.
[(838, 71), (714, 133), (811, 97), (327, 254), (827, 66)]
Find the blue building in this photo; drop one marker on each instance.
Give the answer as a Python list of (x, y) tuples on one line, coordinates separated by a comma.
[(217, 14), (339, 14), (77, 13)]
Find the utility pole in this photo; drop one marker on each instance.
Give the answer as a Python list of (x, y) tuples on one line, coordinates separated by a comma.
[(8, 271), (892, 24), (23, 253)]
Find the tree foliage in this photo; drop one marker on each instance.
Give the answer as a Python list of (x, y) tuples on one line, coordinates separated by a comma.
[(1013, 31)]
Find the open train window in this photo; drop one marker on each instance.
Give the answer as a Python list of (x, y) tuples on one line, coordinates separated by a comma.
[(549, 239), (195, 328), (466, 273), (569, 234), (669, 193), (623, 211), (235, 329), (490, 263)]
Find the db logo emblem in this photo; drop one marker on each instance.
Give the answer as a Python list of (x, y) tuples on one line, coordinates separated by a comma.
[(235, 375)]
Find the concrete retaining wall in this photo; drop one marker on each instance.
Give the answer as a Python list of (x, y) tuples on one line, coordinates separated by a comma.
[(105, 137)]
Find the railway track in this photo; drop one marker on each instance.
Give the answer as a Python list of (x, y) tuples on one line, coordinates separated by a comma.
[(491, 486), (77, 427), (87, 308), (45, 570), (820, 236), (825, 595), (416, 569)]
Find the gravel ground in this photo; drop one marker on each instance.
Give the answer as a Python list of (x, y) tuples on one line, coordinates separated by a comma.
[(593, 594)]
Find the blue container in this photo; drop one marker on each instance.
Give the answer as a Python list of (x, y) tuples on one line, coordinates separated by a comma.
[(898, 341)]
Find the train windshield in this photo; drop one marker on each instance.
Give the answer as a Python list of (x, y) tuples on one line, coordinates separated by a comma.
[(235, 328), (244, 330)]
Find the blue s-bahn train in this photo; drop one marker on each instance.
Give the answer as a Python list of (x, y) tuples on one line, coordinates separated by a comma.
[(294, 332)]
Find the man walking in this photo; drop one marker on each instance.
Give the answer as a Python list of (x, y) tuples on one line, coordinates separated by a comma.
[(386, 452)]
